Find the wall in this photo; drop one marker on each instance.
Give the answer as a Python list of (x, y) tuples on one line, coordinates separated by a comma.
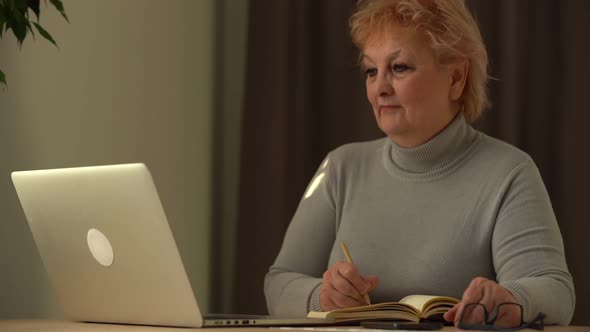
[(131, 81)]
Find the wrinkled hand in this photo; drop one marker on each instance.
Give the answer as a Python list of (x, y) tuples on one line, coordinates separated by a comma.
[(490, 294), (344, 287)]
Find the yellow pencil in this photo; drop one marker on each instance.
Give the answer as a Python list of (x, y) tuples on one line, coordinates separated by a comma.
[(349, 259)]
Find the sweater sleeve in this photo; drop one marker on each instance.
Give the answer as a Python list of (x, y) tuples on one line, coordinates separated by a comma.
[(291, 286), (528, 249)]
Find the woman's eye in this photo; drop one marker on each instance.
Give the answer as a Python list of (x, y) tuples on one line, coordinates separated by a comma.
[(399, 68), (371, 72)]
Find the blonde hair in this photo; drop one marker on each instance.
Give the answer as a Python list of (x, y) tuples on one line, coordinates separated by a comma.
[(451, 30)]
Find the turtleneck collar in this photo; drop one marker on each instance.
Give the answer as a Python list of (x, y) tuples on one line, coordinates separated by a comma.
[(433, 157)]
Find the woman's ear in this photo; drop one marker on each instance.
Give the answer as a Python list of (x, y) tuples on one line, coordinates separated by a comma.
[(459, 72)]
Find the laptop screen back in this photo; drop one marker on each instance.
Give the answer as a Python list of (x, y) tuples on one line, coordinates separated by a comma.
[(105, 242)]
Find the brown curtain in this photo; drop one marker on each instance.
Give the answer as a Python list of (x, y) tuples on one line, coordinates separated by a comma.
[(305, 96)]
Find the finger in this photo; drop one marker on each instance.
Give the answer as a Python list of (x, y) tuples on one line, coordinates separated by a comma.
[(474, 291), (374, 282), (341, 300), (449, 316), (351, 274), (473, 294), (337, 288), (489, 294), (495, 299), (489, 297), (509, 315), (326, 304), (344, 287), (459, 308), (340, 273)]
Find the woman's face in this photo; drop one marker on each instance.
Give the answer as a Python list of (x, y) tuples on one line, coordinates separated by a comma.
[(413, 98)]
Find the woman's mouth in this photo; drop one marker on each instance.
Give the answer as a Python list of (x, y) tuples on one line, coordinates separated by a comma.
[(388, 108)]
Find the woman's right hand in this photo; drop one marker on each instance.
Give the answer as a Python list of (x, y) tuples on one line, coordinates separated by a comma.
[(344, 287)]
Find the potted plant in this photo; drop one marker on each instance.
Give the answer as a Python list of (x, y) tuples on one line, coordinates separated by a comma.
[(14, 16)]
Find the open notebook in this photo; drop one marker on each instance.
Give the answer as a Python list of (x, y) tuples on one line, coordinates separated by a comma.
[(108, 250)]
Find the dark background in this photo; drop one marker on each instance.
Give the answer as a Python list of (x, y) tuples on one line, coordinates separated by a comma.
[(305, 96)]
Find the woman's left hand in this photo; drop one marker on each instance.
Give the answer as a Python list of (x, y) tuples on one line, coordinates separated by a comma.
[(489, 294)]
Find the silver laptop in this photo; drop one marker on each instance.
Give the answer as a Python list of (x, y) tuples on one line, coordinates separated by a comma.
[(108, 250)]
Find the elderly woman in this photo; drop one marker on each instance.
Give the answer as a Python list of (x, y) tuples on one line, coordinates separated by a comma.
[(435, 207)]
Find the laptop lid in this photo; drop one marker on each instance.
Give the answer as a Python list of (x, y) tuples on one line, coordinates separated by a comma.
[(106, 245), (109, 252)]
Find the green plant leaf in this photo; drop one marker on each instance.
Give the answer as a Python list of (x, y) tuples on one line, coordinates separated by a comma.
[(18, 24), (2, 19), (30, 28), (60, 7), (21, 5), (34, 5), (2, 78), (44, 33)]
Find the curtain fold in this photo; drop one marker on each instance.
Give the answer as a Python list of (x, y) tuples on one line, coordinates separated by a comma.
[(297, 107), (305, 96)]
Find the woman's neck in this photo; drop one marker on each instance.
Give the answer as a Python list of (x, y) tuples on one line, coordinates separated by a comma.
[(423, 135)]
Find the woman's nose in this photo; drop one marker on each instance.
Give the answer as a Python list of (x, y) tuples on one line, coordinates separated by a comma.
[(384, 85)]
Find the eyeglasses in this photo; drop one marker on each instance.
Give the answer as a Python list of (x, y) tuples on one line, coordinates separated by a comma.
[(505, 317)]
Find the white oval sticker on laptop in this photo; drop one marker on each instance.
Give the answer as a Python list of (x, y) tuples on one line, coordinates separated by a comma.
[(100, 247)]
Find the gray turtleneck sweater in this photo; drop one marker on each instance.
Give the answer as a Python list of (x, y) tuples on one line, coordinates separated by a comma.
[(427, 220)]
